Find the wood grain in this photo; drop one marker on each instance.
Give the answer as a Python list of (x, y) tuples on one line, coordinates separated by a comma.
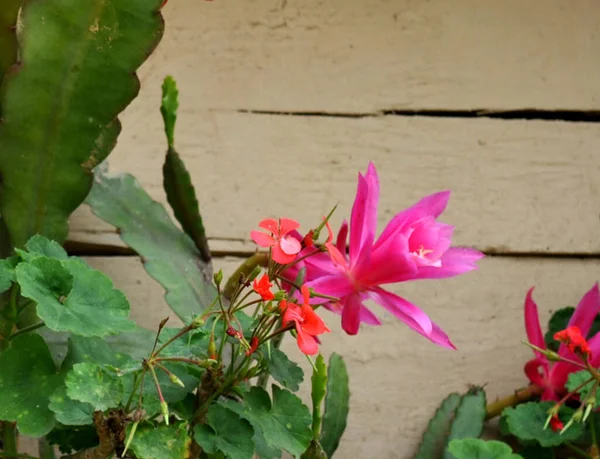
[(397, 377), (518, 186), (364, 56)]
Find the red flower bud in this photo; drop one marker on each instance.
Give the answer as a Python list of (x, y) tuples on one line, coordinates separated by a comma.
[(556, 424), (253, 345)]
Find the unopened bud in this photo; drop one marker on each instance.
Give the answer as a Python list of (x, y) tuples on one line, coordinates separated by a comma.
[(588, 410), (233, 332), (218, 277), (552, 356), (175, 380), (164, 409), (254, 274), (280, 295), (212, 347), (197, 322)]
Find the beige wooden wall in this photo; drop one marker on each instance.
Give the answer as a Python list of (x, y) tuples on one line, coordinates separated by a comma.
[(283, 101)]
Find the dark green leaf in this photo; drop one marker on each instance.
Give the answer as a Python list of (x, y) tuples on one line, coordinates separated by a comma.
[(526, 422), (162, 442), (93, 384), (473, 448), (41, 246), (7, 273), (73, 438), (27, 379), (578, 378), (73, 297), (435, 437), (284, 424), (60, 106), (8, 37), (68, 411), (82, 349), (284, 371), (469, 417), (537, 452), (225, 431), (169, 255), (168, 108), (317, 394), (337, 401)]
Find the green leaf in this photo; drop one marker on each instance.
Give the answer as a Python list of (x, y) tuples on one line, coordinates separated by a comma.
[(317, 394), (469, 417), (169, 255), (284, 371), (435, 436), (83, 349), (576, 379), (559, 321), (68, 411), (27, 379), (284, 424), (59, 108), (225, 431), (93, 384), (162, 442), (73, 297), (168, 108), (8, 37), (41, 246), (473, 448), (7, 273), (337, 401), (526, 422)]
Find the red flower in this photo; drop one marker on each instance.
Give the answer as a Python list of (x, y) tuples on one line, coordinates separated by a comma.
[(262, 287), (556, 424), (253, 346), (308, 323), (284, 247), (574, 340), (308, 239), (233, 332)]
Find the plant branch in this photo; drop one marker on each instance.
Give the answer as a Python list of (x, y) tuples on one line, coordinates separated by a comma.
[(106, 446), (495, 409)]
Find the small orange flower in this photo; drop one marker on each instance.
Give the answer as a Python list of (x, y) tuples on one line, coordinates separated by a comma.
[(263, 288), (284, 247), (308, 323), (575, 341)]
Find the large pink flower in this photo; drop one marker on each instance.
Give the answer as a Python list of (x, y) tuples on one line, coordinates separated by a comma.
[(552, 376), (412, 246)]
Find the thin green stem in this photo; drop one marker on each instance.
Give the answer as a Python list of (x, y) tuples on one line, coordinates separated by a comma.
[(27, 330), (136, 384)]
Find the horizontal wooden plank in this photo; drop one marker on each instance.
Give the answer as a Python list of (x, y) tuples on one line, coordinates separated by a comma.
[(357, 56), (398, 378), (518, 186)]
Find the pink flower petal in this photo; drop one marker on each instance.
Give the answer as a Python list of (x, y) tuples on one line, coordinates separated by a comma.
[(279, 256), (367, 317), (289, 245), (533, 327), (404, 310), (286, 225), (455, 261), (351, 314), (262, 239), (306, 342), (363, 220), (270, 225), (586, 311), (336, 284), (342, 237)]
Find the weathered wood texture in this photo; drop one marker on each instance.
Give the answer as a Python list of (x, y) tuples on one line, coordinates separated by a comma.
[(362, 56), (397, 377), (518, 186)]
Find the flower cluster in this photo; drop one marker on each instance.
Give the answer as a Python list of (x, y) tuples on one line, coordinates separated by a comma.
[(344, 275)]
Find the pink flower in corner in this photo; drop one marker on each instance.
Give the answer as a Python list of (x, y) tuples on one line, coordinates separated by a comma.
[(552, 376), (412, 246), (284, 247)]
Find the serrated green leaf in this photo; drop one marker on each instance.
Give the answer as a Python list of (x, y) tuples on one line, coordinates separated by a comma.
[(474, 448), (225, 431), (337, 407), (317, 394), (83, 349), (68, 411), (162, 442), (7, 272), (169, 255), (469, 417), (73, 297), (40, 246), (435, 437), (168, 108), (59, 108), (284, 424), (27, 380), (93, 384), (526, 422), (578, 378), (285, 371)]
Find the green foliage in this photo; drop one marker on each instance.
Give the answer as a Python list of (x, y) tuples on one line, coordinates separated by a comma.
[(176, 179), (73, 297), (93, 384), (526, 422), (68, 411), (59, 108), (284, 371), (435, 437), (8, 37), (42, 246), (284, 423), (473, 448), (169, 255), (317, 394), (73, 438), (578, 378), (559, 321), (27, 379), (161, 442), (225, 431), (468, 418), (337, 407), (7, 273)]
